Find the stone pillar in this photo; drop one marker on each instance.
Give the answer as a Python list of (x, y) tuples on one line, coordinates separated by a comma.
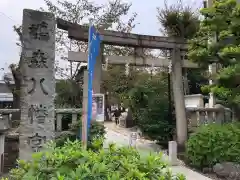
[(59, 122), (38, 86), (133, 139), (209, 3), (74, 118), (181, 119), (172, 153), (127, 69), (84, 108), (97, 75)]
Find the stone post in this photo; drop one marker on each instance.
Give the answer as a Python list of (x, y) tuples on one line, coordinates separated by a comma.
[(133, 139), (74, 118), (59, 122), (172, 153), (84, 108), (38, 87), (181, 119)]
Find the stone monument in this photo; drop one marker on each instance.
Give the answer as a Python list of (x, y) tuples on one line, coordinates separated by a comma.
[(38, 87)]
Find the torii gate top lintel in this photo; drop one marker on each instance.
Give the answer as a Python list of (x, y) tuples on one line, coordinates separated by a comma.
[(80, 33)]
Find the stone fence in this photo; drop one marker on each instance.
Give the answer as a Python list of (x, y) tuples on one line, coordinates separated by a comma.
[(9, 139), (6, 114), (196, 117), (200, 115)]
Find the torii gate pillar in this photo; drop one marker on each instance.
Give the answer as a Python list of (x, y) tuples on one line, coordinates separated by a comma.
[(97, 74)]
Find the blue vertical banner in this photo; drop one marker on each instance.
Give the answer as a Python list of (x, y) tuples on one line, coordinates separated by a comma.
[(94, 41)]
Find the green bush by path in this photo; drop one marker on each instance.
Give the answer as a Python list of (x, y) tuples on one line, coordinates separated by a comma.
[(214, 143), (97, 131), (150, 106), (71, 162)]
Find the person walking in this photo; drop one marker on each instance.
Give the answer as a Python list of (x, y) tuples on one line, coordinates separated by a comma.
[(116, 115), (122, 109)]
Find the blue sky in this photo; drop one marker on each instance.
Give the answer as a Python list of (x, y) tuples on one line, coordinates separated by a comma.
[(11, 14)]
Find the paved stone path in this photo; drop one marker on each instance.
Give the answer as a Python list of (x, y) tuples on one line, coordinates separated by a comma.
[(120, 136)]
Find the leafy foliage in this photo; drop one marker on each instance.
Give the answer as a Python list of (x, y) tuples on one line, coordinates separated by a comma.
[(73, 162), (97, 131), (217, 41), (69, 94), (178, 20), (182, 21), (214, 143), (107, 16), (118, 84), (197, 79), (149, 104)]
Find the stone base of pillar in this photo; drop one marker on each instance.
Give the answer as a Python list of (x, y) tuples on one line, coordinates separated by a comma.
[(172, 153), (2, 145)]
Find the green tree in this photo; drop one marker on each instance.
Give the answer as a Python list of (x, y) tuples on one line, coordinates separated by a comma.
[(108, 16), (222, 21), (69, 93), (148, 101), (118, 84), (178, 20), (181, 20)]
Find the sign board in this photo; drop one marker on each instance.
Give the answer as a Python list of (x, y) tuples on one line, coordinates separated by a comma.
[(98, 107), (94, 41)]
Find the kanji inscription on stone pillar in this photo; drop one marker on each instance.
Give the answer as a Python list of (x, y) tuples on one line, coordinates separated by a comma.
[(36, 142), (38, 87)]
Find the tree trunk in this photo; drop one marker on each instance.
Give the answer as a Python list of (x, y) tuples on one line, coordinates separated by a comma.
[(16, 99), (16, 105)]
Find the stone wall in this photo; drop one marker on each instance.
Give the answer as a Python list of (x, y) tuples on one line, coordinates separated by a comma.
[(11, 151)]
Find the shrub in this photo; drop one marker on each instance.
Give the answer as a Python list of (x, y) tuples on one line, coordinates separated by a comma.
[(97, 130), (150, 105), (71, 162), (214, 143)]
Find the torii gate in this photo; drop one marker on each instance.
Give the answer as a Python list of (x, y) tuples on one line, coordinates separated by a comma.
[(174, 45)]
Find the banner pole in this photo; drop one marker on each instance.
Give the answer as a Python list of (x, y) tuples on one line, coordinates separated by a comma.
[(85, 116)]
